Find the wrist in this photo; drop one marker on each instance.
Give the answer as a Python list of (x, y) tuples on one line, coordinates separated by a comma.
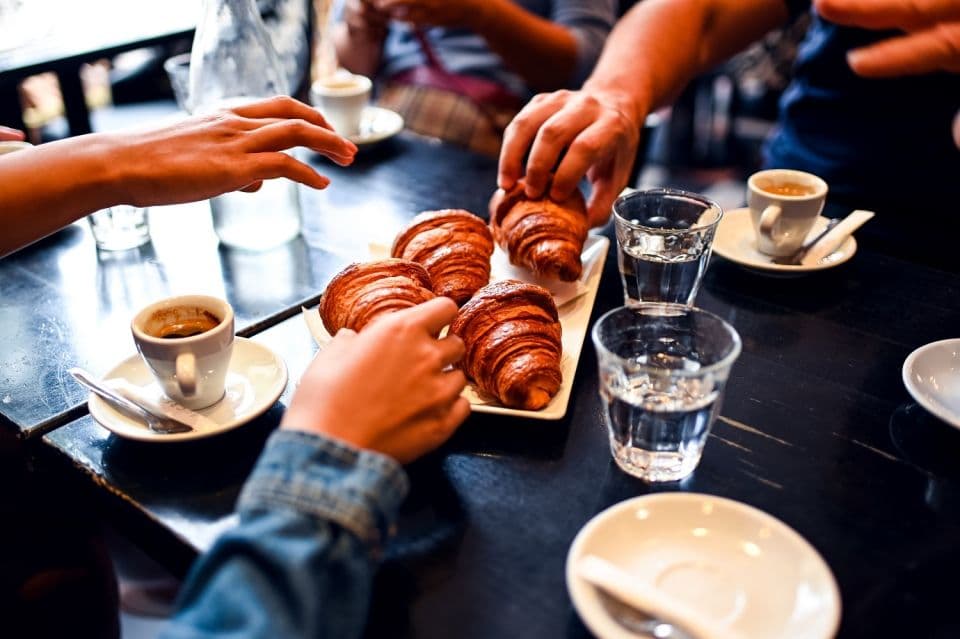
[(629, 103)]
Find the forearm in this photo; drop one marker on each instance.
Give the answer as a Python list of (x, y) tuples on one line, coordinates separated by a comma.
[(358, 52), (300, 564), (660, 45), (45, 188), (543, 53)]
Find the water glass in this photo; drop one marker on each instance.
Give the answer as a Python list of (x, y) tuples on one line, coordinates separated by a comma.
[(663, 368), (664, 237), (178, 72), (120, 227)]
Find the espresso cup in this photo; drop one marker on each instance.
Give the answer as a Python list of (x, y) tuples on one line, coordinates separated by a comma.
[(187, 342), (341, 98), (784, 204)]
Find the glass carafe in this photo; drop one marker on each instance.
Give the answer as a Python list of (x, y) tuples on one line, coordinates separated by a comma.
[(234, 62)]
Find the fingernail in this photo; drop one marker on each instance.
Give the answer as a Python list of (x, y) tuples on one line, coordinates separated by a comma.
[(854, 57)]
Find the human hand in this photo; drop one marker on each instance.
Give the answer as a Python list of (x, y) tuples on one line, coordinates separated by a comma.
[(434, 13), (599, 130), (388, 388), (931, 42), (8, 134), (364, 19), (238, 148)]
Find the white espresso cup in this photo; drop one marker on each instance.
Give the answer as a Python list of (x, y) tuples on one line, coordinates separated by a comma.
[(783, 207), (187, 342), (341, 98)]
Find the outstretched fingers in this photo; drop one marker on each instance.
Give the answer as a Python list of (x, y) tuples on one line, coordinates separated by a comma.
[(285, 134), (282, 107), (924, 51), (888, 14), (270, 165)]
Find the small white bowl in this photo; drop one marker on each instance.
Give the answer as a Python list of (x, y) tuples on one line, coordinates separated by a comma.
[(932, 376)]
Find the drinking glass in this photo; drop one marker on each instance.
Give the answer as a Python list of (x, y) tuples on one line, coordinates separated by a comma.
[(664, 237), (120, 227), (663, 368)]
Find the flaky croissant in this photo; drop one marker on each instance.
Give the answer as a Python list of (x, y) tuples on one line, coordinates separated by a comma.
[(511, 330), (543, 235), (454, 246), (362, 291)]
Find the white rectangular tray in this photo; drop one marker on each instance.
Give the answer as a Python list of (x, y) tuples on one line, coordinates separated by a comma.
[(574, 322)]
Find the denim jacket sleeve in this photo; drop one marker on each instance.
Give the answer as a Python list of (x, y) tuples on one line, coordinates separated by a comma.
[(313, 517)]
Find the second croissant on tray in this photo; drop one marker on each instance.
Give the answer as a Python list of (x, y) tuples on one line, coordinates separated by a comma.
[(511, 331), (543, 235), (454, 246)]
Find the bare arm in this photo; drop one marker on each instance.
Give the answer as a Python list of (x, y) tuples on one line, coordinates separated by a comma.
[(47, 187), (650, 56), (661, 45), (359, 37), (542, 52)]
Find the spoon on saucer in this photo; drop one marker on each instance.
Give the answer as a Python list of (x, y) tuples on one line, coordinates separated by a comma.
[(157, 423)]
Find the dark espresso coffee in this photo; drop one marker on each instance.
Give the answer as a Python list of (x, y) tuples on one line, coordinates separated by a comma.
[(180, 323), (786, 188)]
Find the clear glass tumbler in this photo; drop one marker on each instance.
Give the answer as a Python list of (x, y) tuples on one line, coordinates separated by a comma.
[(120, 227), (663, 368), (664, 237)]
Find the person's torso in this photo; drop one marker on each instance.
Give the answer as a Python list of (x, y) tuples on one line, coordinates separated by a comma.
[(460, 51), (874, 140)]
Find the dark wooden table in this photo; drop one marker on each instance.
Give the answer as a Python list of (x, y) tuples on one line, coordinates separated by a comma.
[(816, 428)]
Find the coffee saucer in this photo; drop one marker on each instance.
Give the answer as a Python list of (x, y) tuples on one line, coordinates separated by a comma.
[(736, 241), (255, 380), (376, 125), (932, 377), (745, 573)]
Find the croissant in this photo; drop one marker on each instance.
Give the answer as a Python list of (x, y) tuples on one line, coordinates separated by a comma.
[(543, 235), (454, 246), (512, 335), (363, 291)]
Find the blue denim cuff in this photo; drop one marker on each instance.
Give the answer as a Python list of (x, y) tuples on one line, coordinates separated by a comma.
[(358, 490)]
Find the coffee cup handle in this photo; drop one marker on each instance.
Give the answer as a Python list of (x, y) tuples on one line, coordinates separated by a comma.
[(768, 222), (186, 369)]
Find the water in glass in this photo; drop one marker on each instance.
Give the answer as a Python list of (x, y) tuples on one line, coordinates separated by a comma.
[(663, 368)]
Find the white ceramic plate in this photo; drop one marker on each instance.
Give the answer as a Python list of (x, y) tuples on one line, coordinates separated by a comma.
[(736, 241), (376, 125), (735, 564), (256, 378), (932, 376)]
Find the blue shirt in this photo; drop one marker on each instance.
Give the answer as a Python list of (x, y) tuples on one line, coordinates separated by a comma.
[(465, 52), (314, 516), (883, 144)]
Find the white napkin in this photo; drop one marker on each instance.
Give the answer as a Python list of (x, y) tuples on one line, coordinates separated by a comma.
[(648, 599), (156, 401)]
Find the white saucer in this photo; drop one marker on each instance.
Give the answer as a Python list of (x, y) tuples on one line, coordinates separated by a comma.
[(736, 241), (256, 378), (739, 566), (932, 376), (376, 125)]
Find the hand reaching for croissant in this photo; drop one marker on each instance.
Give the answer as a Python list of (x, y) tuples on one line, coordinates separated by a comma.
[(388, 389)]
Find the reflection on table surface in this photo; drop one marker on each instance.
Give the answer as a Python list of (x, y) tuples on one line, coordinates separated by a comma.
[(816, 428)]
